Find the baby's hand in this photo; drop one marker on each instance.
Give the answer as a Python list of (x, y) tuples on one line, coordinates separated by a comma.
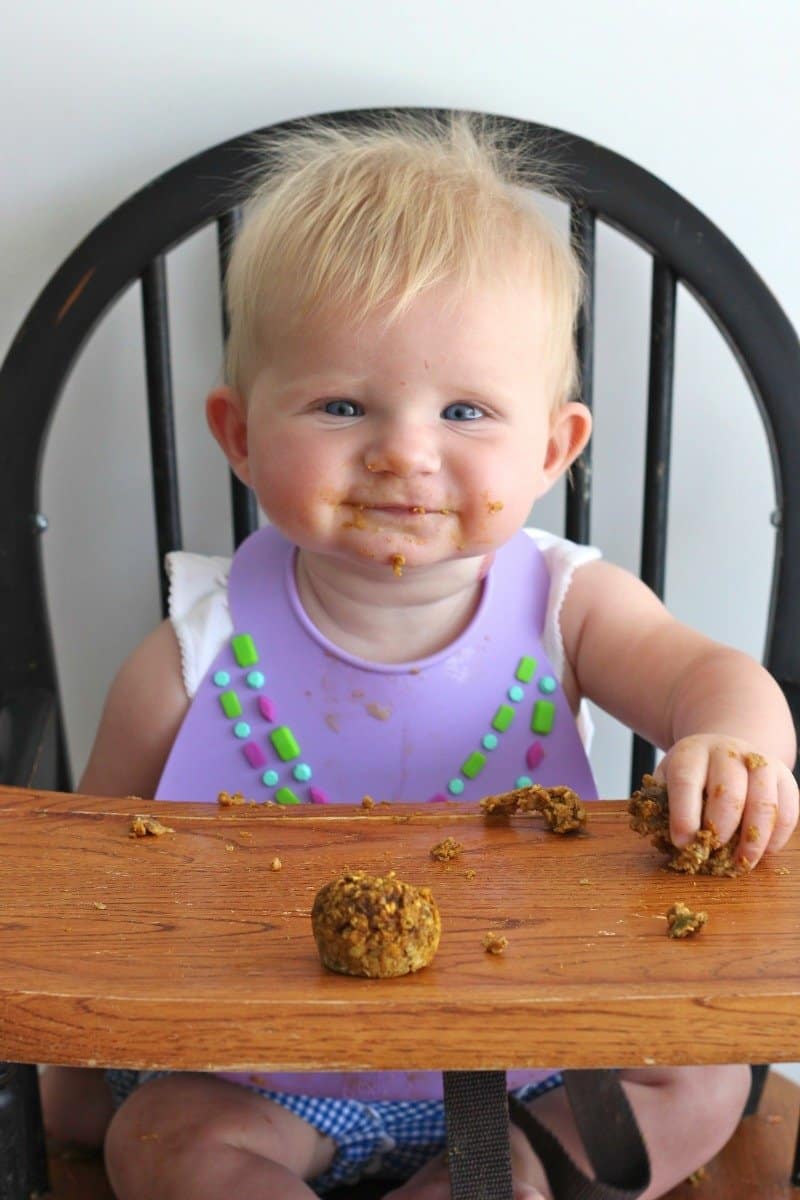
[(741, 786)]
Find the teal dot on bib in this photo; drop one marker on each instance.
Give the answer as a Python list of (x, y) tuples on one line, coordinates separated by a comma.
[(547, 684), (255, 679), (455, 787), (241, 729), (302, 772), (489, 741), (221, 678), (523, 781), (515, 693), (270, 778)]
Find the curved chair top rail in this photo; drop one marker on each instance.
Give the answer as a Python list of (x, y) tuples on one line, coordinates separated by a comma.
[(204, 187)]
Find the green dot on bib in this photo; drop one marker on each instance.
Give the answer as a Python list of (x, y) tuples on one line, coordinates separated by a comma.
[(231, 704), (285, 795), (221, 678), (503, 718), (455, 787), (473, 766), (526, 669), (244, 650), (255, 679), (270, 778), (285, 743), (544, 713)]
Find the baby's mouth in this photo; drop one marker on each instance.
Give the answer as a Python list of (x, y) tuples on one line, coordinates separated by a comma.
[(402, 510)]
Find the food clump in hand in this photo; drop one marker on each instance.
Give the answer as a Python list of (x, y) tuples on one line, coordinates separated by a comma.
[(704, 855), (376, 926), (561, 808)]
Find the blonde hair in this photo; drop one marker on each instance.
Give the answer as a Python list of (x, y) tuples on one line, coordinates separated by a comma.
[(359, 217)]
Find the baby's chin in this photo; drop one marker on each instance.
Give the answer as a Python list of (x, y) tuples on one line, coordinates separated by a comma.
[(404, 560)]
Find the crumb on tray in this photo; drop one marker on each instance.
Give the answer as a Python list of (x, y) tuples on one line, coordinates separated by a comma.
[(682, 922), (446, 850), (142, 826), (494, 943), (229, 800), (561, 808)]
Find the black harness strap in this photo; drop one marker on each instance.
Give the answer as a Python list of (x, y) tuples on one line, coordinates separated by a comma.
[(609, 1133)]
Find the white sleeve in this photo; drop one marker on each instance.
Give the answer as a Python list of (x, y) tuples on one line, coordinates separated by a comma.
[(563, 559), (198, 610)]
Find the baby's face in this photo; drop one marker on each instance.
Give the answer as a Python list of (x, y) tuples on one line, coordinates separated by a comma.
[(428, 439)]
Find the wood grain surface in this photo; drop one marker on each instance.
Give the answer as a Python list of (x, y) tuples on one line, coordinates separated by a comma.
[(188, 951)]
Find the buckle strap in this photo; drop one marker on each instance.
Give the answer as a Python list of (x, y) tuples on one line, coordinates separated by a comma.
[(609, 1132)]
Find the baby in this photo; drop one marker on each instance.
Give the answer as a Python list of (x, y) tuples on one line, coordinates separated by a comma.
[(401, 385)]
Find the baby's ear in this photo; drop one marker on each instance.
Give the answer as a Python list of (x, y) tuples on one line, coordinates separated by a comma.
[(226, 414), (570, 430)]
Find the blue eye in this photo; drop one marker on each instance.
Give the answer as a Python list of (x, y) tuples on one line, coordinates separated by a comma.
[(462, 412), (343, 408)]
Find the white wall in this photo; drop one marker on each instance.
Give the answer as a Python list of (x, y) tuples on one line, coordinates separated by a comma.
[(99, 96)]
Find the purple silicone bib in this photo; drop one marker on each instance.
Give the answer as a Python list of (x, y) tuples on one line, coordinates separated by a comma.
[(284, 715)]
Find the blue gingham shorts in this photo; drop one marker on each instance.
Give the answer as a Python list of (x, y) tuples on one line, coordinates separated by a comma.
[(389, 1138)]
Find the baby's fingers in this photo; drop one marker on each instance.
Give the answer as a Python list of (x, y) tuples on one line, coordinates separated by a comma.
[(786, 819), (726, 791), (684, 771), (760, 811)]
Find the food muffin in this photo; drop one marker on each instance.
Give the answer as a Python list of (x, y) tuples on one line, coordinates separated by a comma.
[(375, 926)]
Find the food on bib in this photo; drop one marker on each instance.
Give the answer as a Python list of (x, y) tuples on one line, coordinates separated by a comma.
[(561, 808), (705, 855), (682, 922), (375, 926)]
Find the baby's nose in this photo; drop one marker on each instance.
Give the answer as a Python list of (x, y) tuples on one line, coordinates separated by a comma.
[(404, 450)]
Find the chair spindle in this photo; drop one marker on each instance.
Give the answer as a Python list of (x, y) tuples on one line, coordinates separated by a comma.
[(657, 458), (244, 510), (582, 224), (160, 411)]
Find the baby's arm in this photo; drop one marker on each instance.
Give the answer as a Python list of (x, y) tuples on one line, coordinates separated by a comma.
[(720, 716), (143, 711)]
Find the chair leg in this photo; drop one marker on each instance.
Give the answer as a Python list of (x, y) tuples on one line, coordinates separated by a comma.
[(23, 1160), (479, 1155), (758, 1077)]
